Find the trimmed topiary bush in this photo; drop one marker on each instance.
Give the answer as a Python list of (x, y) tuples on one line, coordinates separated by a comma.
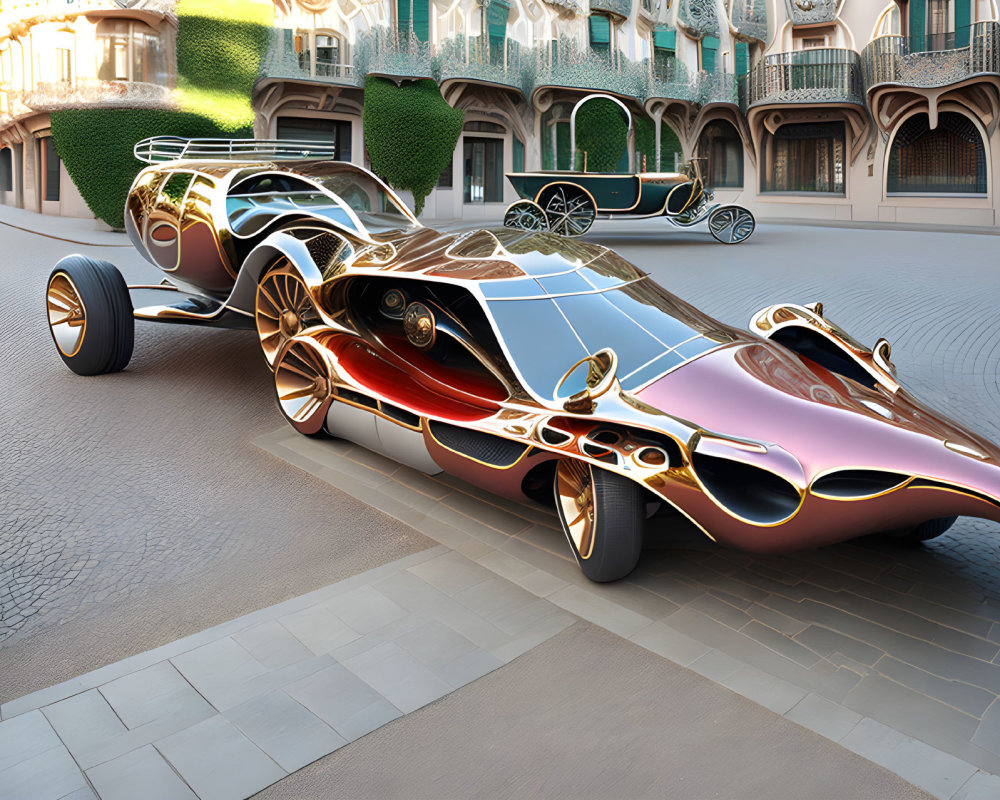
[(220, 44), (104, 174), (602, 131), (410, 133)]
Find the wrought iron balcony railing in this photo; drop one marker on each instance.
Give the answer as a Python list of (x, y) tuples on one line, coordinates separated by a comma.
[(283, 61), (935, 60), (749, 18), (477, 58), (90, 92), (623, 8), (386, 51), (562, 63), (826, 75)]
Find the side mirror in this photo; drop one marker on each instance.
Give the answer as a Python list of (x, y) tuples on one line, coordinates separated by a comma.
[(586, 380)]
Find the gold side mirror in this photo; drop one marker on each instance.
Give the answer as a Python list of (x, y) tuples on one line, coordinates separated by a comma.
[(586, 380)]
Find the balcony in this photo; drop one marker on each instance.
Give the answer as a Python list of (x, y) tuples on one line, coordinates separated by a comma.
[(932, 61), (563, 64), (699, 17), (621, 8), (384, 51), (825, 75), (812, 12), (282, 62), (476, 59), (673, 81), (92, 92), (717, 87), (749, 19)]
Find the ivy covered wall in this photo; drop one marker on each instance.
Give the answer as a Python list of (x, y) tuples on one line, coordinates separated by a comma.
[(220, 44), (410, 133)]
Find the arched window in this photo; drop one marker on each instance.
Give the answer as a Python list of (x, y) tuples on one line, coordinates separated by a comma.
[(720, 144), (951, 159), (888, 23), (129, 51)]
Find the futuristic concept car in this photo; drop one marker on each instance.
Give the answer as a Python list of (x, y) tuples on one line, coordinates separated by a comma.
[(529, 364)]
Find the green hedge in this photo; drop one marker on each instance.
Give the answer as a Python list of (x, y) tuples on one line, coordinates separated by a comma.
[(220, 44), (104, 173), (602, 131), (410, 133)]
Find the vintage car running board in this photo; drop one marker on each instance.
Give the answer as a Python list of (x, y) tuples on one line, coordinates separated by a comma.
[(197, 311)]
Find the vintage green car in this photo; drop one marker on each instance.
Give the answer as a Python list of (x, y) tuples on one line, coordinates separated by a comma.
[(567, 201)]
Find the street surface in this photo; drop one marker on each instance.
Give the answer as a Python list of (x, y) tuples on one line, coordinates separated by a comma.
[(137, 511)]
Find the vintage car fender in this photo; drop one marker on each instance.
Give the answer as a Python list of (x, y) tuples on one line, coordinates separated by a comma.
[(279, 244), (772, 321)]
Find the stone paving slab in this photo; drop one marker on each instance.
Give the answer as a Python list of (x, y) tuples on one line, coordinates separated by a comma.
[(224, 713), (851, 640)]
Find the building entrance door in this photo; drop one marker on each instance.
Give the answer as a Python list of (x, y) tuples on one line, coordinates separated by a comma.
[(483, 161)]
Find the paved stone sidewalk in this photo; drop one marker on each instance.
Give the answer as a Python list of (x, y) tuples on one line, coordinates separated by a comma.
[(226, 712), (831, 639)]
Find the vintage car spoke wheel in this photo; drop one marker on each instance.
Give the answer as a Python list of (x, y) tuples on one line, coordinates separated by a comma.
[(90, 315), (602, 515), (303, 386), (284, 308), (526, 216), (731, 224), (568, 209)]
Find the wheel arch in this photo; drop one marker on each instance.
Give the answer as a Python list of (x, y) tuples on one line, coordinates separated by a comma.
[(277, 245)]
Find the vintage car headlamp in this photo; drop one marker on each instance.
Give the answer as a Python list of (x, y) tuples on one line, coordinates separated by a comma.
[(393, 304), (418, 325)]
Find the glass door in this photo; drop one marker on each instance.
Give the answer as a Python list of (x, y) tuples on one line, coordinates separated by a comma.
[(483, 169)]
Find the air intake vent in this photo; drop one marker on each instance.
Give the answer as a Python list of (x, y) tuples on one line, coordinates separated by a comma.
[(854, 484), (749, 492), (483, 447)]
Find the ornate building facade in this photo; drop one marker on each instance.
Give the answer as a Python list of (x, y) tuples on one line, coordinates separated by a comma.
[(839, 110), (56, 54)]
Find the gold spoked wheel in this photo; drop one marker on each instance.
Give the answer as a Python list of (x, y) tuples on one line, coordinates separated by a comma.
[(731, 224), (575, 495), (568, 209), (284, 308), (67, 314), (302, 382)]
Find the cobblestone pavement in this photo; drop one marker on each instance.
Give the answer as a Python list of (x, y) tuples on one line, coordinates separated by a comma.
[(133, 505)]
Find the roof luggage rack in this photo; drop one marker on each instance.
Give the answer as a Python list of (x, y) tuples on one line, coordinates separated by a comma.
[(158, 149)]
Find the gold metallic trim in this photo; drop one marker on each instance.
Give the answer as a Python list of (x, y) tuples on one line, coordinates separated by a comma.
[(67, 313)]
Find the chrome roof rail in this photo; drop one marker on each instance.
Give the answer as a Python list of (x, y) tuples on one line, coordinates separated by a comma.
[(158, 149)]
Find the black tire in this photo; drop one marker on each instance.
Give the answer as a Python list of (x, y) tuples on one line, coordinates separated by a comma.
[(619, 512), (924, 532), (90, 295)]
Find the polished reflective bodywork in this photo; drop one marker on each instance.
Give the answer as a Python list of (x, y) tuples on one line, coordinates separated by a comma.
[(536, 365)]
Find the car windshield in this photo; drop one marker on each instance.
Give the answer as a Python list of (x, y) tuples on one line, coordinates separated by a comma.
[(368, 198), (548, 324)]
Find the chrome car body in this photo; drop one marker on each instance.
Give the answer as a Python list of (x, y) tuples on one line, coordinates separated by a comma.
[(522, 360)]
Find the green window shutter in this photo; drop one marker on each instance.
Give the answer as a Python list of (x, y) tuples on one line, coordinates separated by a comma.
[(742, 58), (709, 48), (963, 22), (422, 19), (665, 40), (518, 155), (600, 33), (402, 15), (918, 13)]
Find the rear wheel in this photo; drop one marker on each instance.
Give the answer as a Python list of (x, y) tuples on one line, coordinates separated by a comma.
[(731, 224), (284, 308), (570, 211), (602, 515), (90, 315)]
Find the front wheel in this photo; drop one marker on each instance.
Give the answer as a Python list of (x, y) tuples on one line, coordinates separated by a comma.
[(731, 224), (525, 215), (602, 515), (303, 386), (90, 315)]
